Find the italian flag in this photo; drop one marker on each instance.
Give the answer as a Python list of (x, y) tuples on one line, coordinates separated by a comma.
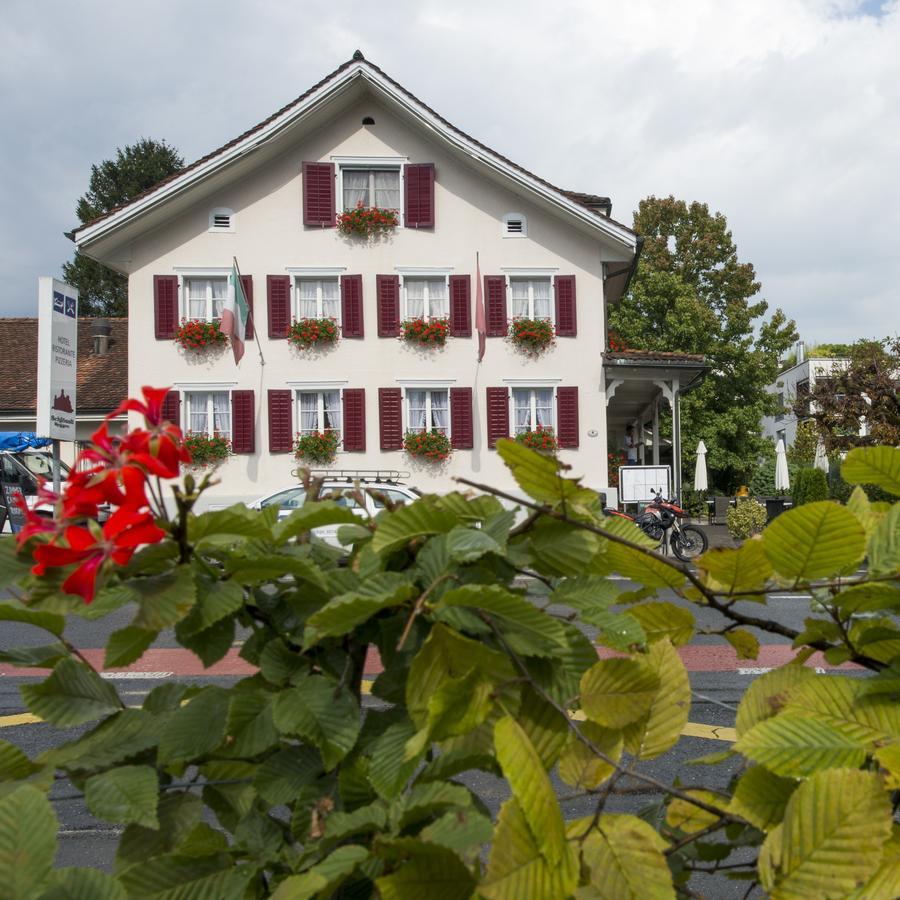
[(235, 314)]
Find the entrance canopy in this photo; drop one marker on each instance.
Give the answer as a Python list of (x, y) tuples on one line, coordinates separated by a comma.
[(637, 383)]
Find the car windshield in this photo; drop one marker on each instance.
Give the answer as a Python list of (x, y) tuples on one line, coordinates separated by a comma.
[(42, 464), (393, 495), (291, 499)]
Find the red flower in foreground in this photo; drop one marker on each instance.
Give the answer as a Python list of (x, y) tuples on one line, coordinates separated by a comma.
[(124, 532)]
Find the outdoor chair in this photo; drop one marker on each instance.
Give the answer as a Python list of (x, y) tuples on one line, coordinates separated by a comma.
[(718, 515)]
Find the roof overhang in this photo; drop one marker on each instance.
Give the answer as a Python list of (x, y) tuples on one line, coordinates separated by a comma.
[(344, 86)]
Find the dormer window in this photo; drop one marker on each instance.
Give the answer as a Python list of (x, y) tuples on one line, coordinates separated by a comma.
[(515, 225), (371, 187), (221, 219)]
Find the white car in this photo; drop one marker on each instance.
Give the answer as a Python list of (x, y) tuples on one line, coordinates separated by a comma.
[(334, 487)]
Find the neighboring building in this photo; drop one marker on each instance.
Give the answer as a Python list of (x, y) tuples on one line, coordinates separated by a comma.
[(102, 376), (270, 198), (792, 386)]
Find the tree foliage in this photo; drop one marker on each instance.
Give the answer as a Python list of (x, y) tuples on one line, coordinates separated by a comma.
[(692, 294), (103, 291), (317, 792)]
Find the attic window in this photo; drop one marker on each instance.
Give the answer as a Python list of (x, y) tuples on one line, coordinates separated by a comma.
[(221, 219), (515, 225), (368, 120)]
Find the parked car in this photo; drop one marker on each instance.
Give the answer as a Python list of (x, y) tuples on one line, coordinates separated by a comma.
[(374, 485), (20, 469)]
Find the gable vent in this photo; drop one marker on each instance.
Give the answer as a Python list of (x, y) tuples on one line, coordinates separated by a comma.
[(514, 225), (221, 220)]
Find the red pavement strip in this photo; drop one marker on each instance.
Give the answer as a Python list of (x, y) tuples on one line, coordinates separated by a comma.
[(177, 661)]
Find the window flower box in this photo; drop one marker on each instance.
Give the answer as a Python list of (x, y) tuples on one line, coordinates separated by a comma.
[(306, 333), (194, 334), (427, 332), (532, 336), (316, 447), (366, 221), (541, 439), (431, 446), (206, 450)]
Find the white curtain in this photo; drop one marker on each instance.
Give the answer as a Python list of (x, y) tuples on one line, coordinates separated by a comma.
[(415, 402), (219, 295), (309, 413), (543, 408), (198, 404), (439, 412), (387, 190), (331, 403), (437, 298), (519, 293), (356, 189), (331, 300), (307, 305), (522, 408), (196, 292), (415, 298), (222, 414), (541, 298)]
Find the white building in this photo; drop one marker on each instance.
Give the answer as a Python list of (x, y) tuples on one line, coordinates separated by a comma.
[(270, 198)]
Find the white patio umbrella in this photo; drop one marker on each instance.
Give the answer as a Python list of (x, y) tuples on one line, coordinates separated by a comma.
[(821, 460), (701, 482), (782, 479)]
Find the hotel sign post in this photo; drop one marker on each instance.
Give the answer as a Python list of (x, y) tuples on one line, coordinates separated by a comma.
[(57, 364)]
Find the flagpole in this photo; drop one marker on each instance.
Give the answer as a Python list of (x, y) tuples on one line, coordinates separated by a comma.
[(262, 360)]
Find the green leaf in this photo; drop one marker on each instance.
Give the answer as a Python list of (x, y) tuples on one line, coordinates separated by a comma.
[(196, 729), (624, 857), (174, 878), (561, 549), (419, 519), (216, 600), (43, 657), (580, 767), (531, 787), (619, 631), (179, 813), (663, 619), (163, 600), (13, 611), (661, 728), (536, 473), (346, 611), (268, 567), (873, 465), (14, 764), (517, 867), (547, 729), (886, 880), (27, 842), (71, 695), (209, 645), (127, 645), (322, 712), (313, 515), (460, 830), (124, 795), (390, 769), (340, 825), (466, 544), (251, 722), (84, 884), (279, 663), (884, 545), (743, 569), (814, 540), (768, 694), (650, 570), (224, 525), (832, 838), (323, 877), (424, 800), (746, 643), (860, 506), (438, 874), (761, 797), (284, 775), (793, 745), (864, 598), (616, 692), (687, 817), (13, 565)]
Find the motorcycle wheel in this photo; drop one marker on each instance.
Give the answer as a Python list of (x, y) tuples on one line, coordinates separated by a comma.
[(689, 542)]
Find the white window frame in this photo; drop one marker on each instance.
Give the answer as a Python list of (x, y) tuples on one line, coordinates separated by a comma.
[(221, 211), (422, 274), (320, 390), (428, 387), (532, 275), (186, 390), (532, 386), (518, 217), (384, 163), (185, 274)]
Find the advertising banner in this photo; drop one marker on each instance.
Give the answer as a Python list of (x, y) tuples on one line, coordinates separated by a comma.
[(57, 359)]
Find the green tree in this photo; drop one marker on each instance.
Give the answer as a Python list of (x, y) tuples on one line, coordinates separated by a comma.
[(103, 291), (803, 450), (866, 392), (692, 294)]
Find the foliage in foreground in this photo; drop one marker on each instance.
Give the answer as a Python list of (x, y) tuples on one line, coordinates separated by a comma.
[(291, 784)]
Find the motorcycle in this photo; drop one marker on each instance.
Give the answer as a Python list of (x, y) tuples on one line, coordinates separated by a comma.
[(659, 516)]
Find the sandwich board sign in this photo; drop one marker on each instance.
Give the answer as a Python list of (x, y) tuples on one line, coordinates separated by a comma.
[(57, 359)]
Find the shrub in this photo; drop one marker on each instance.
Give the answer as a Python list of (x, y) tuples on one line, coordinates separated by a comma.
[(306, 333), (803, 451), (195, 335), (746, 519), (533, 336), (809, 486), (367, 220), (433, 446), (428, 332), (693, 502), (762, 482), (206, 450), (541, 438), (316, 447)]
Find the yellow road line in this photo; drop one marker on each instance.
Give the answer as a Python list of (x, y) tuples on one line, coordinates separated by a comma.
[(20, 719)]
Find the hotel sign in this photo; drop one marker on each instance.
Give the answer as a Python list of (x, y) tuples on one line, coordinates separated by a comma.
[(57, 359)]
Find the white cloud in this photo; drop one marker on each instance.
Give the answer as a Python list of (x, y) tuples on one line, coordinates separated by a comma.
[(784, 115)]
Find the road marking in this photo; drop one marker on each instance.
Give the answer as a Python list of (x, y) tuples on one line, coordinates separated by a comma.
[(20, 719), (710, 732), (761, 670), (114, 676)]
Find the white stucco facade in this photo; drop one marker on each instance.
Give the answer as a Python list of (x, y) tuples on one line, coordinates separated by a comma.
[(268, 237)]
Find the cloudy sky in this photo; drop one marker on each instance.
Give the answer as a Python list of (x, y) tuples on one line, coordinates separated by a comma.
[(782, 114)]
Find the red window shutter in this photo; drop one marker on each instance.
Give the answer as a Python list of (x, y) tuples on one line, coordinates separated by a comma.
[(171, 408), (351, 306), (567, 416), (278, 288), (461, 305), (387, 291), (495, 305), (354, 419), (461, 430), (418, 182), (247, 285), (281, 436), (390, 418), (318, 194), (566, 321), (497, 414), (165, 306), (243, 424)]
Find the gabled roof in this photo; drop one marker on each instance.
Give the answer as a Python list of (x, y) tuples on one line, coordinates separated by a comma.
[(585, 207), (102, 381)]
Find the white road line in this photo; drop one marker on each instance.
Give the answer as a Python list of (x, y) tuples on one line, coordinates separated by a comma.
[(761, 670), (111, 676)]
